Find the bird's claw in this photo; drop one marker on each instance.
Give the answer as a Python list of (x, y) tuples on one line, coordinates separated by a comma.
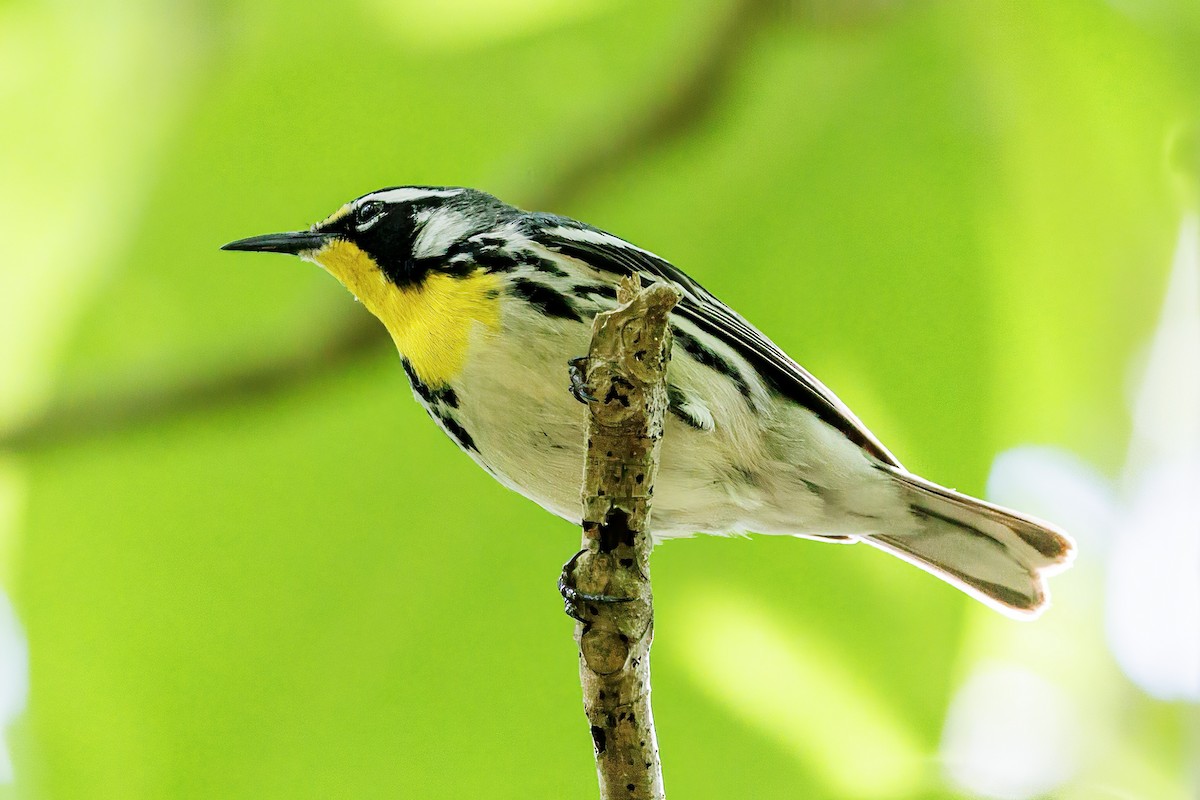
[(579, 389), (573, 599)]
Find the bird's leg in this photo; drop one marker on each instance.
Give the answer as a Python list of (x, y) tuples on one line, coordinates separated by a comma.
[(574, 601), (579, 388)]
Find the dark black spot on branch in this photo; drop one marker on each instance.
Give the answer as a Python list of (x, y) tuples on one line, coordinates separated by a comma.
[(618, 389), (599, 739), (615, 530)]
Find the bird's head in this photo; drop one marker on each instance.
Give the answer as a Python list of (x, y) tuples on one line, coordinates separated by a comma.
[(394, 249), (399, 236)]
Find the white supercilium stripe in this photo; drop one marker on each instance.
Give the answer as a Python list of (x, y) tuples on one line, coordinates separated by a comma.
[(407, 194)]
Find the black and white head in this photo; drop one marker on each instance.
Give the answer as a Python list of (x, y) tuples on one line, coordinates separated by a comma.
[(403, 233)]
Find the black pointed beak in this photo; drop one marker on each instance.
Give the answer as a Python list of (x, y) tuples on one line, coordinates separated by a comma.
[(294, 242)]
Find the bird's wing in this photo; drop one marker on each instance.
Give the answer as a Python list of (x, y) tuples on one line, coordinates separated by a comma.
[(608, 253)]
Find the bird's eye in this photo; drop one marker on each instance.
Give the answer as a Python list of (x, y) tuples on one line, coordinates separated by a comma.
[(368, 212)]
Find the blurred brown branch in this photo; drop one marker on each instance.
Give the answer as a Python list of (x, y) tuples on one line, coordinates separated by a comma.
[(606, 585), (355, 336), (682, 106)]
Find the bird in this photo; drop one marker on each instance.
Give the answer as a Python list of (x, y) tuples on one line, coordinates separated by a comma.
[(486, 304)]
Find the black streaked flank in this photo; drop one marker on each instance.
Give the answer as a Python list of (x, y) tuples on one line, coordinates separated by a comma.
[(418, 385), (713, 360), (550, 301), (457, 432), (442, 396)]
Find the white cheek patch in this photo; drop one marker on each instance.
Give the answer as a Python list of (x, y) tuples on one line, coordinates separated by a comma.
[(442, 228), (407, 194)]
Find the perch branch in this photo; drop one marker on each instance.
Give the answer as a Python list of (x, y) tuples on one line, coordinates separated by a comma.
[(606, 585)]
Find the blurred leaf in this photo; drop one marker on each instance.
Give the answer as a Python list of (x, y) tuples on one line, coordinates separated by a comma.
[(67, 195)]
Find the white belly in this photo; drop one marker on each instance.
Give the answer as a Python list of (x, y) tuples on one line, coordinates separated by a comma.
[(744, 475)]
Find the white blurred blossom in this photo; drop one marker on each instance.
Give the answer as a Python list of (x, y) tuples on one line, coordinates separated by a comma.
[(1153, 599), (1010, 730), (14, 652), (1010, 734), (14, 678)]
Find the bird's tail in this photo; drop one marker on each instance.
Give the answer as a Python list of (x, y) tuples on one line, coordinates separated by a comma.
[(996, 555)]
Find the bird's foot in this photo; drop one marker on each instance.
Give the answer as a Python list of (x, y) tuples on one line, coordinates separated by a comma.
[(576, 602), (579, 388)]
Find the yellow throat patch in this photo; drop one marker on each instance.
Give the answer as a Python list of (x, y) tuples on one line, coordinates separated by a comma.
[(431, 323)]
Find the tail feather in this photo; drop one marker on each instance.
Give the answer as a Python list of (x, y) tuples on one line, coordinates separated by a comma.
[(996, 555)]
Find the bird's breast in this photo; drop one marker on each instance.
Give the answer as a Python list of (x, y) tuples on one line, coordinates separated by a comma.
[(514, 400), (435, 323), (431, 322)]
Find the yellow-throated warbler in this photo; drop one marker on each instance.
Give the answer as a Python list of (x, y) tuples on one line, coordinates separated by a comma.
[(487, 303)]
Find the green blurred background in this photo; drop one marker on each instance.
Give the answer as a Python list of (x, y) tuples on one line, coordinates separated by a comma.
[(240, 562)]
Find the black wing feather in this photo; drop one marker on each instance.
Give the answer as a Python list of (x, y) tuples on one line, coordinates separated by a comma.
[(712, 316)]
